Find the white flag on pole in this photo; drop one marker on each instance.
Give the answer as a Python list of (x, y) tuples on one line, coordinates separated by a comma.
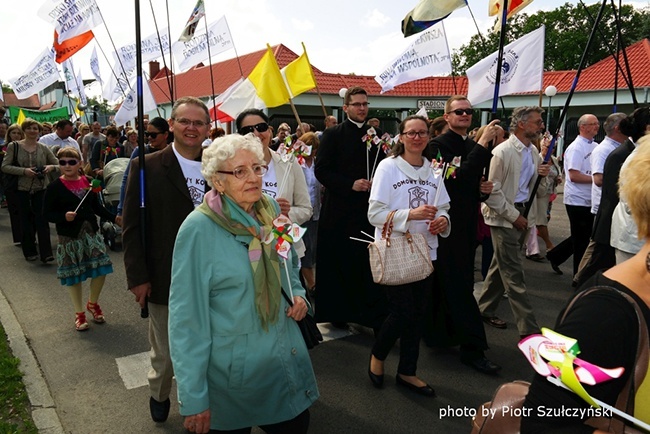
[(423, 112), (39, 75), (129, 108), (81, 89), (150, 50), (522, 69), (117, 85), (195, 51), (69, 77), (94, 66), (71, 17), (427, 56)]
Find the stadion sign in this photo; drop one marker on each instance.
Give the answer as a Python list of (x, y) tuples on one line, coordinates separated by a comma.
[(432, 104)]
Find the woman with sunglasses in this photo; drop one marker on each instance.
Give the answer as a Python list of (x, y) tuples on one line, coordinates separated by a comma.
[(72, 205), (33, 162), (158, 138), (293, 196)]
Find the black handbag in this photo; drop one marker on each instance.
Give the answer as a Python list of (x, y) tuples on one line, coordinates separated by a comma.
[(308, 327), (10, 182)]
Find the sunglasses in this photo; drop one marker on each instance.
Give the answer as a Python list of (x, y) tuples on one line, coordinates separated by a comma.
[(68, 162), (260, 128), (460, 112), (152, 135)]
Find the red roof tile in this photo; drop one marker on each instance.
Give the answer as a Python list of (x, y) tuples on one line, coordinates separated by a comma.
[(32, 102), (196, 81)]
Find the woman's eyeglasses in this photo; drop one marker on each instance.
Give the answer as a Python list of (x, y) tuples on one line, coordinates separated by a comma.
[(152, 135), (260, 128), (460, 112), (242, 172), (412, 134), (68, 162)]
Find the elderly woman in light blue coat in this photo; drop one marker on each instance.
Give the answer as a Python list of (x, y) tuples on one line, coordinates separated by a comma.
[(239, 357)]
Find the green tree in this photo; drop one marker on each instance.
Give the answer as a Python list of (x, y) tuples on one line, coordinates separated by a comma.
[(567, 31), (6, 88)]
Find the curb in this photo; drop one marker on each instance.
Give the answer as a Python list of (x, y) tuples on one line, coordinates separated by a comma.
[(43, 408)]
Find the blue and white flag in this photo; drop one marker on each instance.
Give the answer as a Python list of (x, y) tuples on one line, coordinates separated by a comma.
[(522, 69)]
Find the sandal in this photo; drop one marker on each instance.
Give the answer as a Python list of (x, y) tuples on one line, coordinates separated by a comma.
[(96, 311), (80, 322), (495, 322)]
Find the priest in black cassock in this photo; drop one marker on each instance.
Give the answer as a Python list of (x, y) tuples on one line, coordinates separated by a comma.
[(452, 299), (345, 291)]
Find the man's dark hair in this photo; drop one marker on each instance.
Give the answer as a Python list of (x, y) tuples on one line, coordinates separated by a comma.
[(62, 124), (356, 90)]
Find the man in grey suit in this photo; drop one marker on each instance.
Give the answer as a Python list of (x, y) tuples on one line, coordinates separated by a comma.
[(174, 186)]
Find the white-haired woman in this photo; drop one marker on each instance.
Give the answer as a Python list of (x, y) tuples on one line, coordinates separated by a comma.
[(239, 357)]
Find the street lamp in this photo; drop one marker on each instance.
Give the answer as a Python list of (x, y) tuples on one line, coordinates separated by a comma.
[(342, 92), (550, 92)]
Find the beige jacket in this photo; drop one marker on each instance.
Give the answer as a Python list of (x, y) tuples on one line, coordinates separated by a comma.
[(505, 168)]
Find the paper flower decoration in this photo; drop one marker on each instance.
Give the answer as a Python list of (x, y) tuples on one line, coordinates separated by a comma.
[(286, 232), (290, 150), (110, 151), (370, 138), (96, 186), (439, 167), (553, 354)]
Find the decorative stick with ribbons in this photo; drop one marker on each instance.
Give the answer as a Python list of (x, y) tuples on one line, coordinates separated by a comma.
[(286, 233), (554, 356), (95, 187)]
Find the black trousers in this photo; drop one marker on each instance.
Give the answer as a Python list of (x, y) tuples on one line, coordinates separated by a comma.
[(602, 258), (14, 215), (406, 306), (581, 221), (297, 425), (32, 221)]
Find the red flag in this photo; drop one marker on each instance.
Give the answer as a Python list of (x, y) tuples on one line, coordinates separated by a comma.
[(67, 48)]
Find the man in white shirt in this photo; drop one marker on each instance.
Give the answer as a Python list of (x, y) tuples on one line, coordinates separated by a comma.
[(61, 136), (577, 195), (612, 140), (514, 168)]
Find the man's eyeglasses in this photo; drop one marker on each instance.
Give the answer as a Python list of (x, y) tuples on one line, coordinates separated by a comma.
[(243, 172), (260, 128), (412, 134), (68, 162), (152, 135), (187, 122), (357, 105), (460, 112)]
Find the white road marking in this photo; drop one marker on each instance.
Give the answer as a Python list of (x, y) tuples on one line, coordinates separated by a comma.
[(134, 368)]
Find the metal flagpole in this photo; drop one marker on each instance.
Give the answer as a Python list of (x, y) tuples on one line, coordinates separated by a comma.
[(565, 109), (144, 312), (502, 42)]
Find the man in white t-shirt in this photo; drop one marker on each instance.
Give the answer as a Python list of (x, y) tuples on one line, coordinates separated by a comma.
[(577, 195), (612, 140)]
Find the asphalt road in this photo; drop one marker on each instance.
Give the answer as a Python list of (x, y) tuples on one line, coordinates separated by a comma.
[(92, 395)]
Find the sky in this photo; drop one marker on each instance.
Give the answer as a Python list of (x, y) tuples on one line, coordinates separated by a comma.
[(341, 36)]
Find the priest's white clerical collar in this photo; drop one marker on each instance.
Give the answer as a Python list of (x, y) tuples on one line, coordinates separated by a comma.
[(358, 124)]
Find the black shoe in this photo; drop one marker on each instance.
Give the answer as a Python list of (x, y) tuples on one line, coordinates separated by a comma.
[(483, 365), (48, 259), (495, 322), (31, 258), (340, 325), (159, 410), (536, 257), (424, 390), (377, 380), (556, 268)]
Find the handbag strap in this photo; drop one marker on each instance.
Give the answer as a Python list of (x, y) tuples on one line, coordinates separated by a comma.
[(15, 161), (387, 230), (286, 297), (625, 398)]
